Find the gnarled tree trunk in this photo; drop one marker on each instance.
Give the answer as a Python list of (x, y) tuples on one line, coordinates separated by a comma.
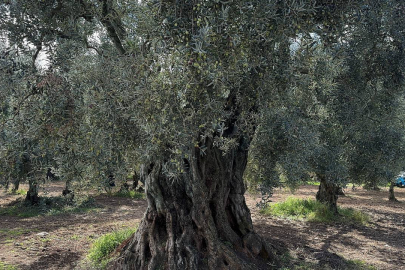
[(391, 193), (328, 193), (200, 221)]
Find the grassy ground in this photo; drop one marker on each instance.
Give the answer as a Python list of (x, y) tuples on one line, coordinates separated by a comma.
[(311, 210), (102, 247)]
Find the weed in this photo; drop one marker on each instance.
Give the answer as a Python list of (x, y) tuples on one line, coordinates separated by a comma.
[(313, 183), (103, 246), (314, 211), (5, 266), (21, 192), (359, 265), (75, 237), (129, 194)]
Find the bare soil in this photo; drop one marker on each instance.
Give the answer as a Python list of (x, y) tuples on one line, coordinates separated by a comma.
[(69, 236)]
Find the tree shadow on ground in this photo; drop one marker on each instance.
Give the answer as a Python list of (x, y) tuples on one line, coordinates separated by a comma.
[(314, 242), (55, 260), (107, 209)]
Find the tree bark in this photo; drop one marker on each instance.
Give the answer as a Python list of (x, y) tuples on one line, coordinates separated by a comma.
[(199, 221), (139, 179), (32, 193), (16, 185), (328, 194), (391, 193), (68, 192)]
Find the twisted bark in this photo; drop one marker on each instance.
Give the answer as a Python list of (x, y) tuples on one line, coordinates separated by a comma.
[(200, 221), (328, 194)]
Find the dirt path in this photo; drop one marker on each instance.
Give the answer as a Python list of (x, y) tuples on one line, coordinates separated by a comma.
[(67, 238)]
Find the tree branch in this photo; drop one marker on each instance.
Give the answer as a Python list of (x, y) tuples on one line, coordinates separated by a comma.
[(113, 25)]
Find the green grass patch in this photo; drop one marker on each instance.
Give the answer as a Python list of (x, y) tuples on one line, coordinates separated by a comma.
[(50, 206), (313, 183), (130, 194), (20, 192), (359, 265), (5, 266), (102, 247), (311, 210)]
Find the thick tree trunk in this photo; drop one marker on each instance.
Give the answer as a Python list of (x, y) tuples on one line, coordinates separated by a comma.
[(328, 194), (200, 221), (32, 193), (391, 193)]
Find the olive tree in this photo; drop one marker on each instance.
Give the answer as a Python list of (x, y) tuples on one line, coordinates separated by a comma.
[(194, 87)]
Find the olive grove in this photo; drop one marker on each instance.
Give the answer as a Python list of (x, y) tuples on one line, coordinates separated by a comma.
[(202, 94)]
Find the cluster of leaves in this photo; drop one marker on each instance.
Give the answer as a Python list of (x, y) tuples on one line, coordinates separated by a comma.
[(314, 86), (341, 114)]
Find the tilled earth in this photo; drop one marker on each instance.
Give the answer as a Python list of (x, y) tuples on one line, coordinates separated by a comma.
[(62, 241)]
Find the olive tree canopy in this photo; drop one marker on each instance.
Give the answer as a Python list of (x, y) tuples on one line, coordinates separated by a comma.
[(189, 88)]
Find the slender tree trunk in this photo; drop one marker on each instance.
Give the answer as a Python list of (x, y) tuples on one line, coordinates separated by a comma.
[(135, 179), (7, 184), (391, 193), (32, 193), (139, 180), (16, 185), (68, 192), (200, 221), (328, 194)]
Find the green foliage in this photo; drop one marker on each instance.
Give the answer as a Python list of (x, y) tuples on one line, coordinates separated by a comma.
[(359, 265), (129, 194), (313, 183), (291, 70), (314, 211), (5, 266), (102, 247), (21, 192)]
